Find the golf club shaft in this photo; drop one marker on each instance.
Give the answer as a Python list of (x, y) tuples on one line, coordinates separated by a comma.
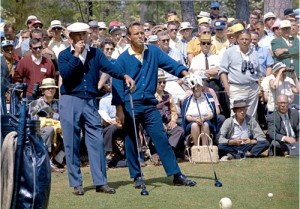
[(136, 136), (202, 130)]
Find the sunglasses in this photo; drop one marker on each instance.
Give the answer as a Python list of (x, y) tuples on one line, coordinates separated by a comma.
[(56, 28), (102, 28), (165, 40), (174, 30), (146, 29), (162, 82), (206, 43), (109, 49), (275, 28), (36, 48), (215, 8), (37, 26)]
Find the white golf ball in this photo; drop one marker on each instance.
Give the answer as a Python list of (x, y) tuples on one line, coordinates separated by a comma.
[(270, 195), (225, 203)]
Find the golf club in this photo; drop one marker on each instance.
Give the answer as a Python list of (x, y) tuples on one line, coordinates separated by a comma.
[(217, 182), (144, 191)]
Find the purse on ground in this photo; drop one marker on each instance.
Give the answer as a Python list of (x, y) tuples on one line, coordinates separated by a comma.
[(200, 154)]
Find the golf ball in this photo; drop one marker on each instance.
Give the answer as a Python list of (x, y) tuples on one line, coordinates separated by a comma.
[(225, 203), (270, 195)]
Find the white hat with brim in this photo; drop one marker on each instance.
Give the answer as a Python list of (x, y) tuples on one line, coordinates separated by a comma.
[(269, 15), (278, 66), (285, 24), (102, 25), (30, 17), (203, 14), (55, 24), (78, 27), (185, 25), (48, 83)]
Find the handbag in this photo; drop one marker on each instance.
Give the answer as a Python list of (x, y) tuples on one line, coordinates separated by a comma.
[(200, 154)]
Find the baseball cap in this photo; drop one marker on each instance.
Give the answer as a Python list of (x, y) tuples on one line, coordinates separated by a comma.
[(215, 4), (113, 28), (219, 24)]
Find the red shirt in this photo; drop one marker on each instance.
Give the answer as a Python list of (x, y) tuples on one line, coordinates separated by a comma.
[(29, 72)]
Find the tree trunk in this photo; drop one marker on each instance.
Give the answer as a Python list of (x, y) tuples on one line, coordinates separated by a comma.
[(144, 9), (242, 9), (277, 6), (187, 12)]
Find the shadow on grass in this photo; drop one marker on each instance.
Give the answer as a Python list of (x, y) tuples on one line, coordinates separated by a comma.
[(153, 182)]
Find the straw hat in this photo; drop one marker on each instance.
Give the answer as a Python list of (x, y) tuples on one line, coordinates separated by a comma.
[(48, 83)]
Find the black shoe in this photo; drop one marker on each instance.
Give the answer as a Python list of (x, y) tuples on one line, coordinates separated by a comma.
[(182, 180), (105, 189), (78, 190), (139, 183)]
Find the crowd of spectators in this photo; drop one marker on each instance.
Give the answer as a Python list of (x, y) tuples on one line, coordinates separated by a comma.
[(244, 74)]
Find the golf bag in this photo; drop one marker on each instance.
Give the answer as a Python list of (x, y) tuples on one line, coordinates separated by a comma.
[(32, 171)]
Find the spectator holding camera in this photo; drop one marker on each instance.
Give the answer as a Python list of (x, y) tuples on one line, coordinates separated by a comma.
[(239, 72), (32, 69), (280, 83)]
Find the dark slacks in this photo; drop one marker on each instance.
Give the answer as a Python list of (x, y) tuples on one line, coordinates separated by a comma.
[(150, 119), (110, 133), (75, 113), (237, 151)]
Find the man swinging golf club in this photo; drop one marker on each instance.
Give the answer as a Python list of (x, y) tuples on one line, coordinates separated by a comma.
[(141, 62)]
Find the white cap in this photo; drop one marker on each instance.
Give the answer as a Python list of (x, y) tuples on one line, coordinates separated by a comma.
[(30, 17), (203, 14), (285, 24), (55, 24), (268, 15), (185, 25), (78, 27), (102, 25)]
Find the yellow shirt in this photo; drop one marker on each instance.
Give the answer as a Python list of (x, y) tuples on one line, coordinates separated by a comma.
[(193, 47), (219, 43)]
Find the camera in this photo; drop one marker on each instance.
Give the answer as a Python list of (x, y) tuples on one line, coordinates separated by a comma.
[(247, 65), (36, 90), (290, 70)]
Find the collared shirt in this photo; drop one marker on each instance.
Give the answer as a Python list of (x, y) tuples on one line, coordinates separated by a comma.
[(83, 55), (264, 57), (198, 62), (265, 41), (105, 104), (240, 131), (57, 46), (140, 57), (36, 60), (172, 106), (220, 43)]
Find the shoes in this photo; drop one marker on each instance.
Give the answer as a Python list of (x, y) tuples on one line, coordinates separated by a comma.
[(286, 154), (139, 183), (182, 180), (105, 189), (226, 157), (78, 190)]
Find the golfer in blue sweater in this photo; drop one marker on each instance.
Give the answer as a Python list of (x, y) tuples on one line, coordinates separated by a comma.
[(141, 62), (79, 67)]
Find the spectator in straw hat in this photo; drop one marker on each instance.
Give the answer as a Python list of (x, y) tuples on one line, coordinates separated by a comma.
[(286, 47), (269, 19), (57, 43), (102, 31), (79, 67), (185, 30), (240, 135), (46, 109), (193, 46), (203, 14)]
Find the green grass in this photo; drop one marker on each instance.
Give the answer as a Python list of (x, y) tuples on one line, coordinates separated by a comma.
[(246, 182)]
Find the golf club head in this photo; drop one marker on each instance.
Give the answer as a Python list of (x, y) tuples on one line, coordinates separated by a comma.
[(218, 183), (144, 192)]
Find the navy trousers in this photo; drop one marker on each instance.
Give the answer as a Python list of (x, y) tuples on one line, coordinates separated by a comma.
[(74, 113), (239, 151), (150, 119)]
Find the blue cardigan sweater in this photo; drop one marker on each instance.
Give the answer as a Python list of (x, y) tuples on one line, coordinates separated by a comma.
[(144, 74), (81, 80)]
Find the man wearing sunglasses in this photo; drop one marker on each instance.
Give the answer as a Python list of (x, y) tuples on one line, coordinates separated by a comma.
[(57, 43), (32, 69), (214, 10)]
